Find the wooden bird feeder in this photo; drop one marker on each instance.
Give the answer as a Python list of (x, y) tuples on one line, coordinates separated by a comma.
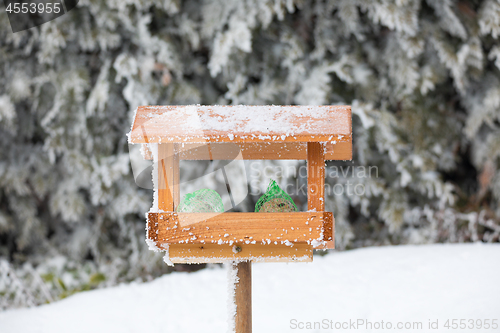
[(173, 133)]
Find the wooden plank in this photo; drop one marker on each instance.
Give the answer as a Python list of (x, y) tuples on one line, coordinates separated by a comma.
[(213, 253), (257, 151), (248, 228), (249, 151), (176, 190), (152, 228), (165, 176), (241, 123), (315, 176), (261, 151), (329, 231), (316, 185), (243, 297), (340, 151)]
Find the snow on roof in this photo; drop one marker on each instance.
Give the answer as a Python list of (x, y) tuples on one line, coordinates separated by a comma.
[(241, 123)]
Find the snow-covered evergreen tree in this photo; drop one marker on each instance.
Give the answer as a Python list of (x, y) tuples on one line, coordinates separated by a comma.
[(422, 76)]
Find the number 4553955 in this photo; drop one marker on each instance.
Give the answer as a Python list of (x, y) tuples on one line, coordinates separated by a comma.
[(33, 8), (471, 324)]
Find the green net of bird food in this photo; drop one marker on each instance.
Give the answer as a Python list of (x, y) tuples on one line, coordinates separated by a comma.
[(275, 200), (201, 201)]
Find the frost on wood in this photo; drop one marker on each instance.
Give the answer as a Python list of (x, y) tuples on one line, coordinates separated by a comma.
[(154, 151), (166, 257), (232, 280), (239, 228), (152, 245)]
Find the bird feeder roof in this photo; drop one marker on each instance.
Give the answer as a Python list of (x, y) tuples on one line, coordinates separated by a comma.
[(241, 124)]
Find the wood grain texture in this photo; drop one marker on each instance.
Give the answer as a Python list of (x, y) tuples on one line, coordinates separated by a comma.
[(175, 188), (152, 227), (245, 228), (165, 176), (340, 151), (316, 187), (157, 124), (213, 253), (315, 176), (329, 233), (243, 297), (261, 151), (257, 151)]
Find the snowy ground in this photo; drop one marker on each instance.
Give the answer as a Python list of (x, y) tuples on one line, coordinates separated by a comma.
[(397, 284)]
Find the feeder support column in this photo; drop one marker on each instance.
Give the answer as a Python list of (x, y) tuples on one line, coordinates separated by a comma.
[(243, 297)]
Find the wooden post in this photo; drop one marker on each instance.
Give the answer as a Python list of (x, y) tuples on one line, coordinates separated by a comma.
[(176, 177), (168, 177), (243, 297), (316, 181), (315, 176)]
